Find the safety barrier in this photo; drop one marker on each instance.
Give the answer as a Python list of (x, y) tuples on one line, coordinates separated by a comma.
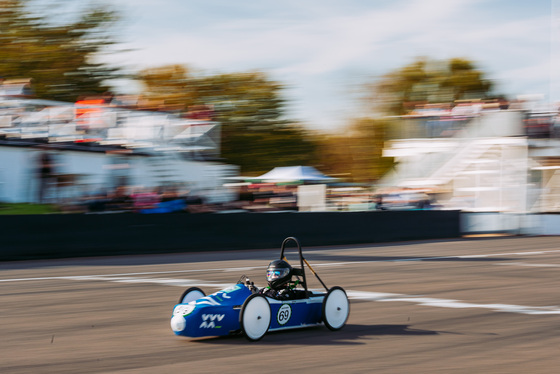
[(73, 235)]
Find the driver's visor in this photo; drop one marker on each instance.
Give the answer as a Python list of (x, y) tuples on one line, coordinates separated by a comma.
[(275, 274)]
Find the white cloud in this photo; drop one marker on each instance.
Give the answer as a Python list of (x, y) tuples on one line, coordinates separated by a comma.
[(324, 43)]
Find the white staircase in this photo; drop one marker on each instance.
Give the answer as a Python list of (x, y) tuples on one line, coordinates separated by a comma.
[(482, 167)]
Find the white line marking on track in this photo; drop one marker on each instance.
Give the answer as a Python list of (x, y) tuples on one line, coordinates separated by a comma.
[(529, 265), (330, 264), (450, 303), (367, 296), (126, 274), (356, 295), (163, 281)]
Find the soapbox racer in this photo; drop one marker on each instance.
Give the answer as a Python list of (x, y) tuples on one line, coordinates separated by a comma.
[(242, 309)]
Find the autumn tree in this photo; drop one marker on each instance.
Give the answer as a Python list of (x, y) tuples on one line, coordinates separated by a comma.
[(249, 106), (427, 81), (59, 57), (356, 153), (166, 88)]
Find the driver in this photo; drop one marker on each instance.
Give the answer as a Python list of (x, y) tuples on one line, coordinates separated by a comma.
[(279, 277)]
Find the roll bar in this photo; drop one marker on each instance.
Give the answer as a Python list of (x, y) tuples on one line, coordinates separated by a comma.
[(302, 260)]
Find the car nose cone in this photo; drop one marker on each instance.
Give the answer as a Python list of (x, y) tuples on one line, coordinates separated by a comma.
[(178, 323)]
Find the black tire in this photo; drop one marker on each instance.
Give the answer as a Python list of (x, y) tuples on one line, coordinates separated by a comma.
[(191, 294), (255, 317), (336, 308)]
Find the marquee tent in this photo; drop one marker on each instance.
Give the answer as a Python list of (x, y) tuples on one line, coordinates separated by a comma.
[(294, 173)]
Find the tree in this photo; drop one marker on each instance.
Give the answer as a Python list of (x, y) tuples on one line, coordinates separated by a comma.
[(166, 87), (428, 81), (59, 58), (356, 154), (250, 108)]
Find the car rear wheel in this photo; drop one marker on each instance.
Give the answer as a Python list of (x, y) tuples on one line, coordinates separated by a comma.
[(191, 294), (255, 317), (336, 308)]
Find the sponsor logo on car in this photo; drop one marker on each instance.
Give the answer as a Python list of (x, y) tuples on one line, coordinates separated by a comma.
[(209, 321)]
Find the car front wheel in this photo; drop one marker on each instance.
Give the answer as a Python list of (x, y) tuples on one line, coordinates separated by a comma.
[(255, 317), (336, 308)]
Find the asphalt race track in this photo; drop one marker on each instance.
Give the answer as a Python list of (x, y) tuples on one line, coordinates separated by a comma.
[(464, 306)]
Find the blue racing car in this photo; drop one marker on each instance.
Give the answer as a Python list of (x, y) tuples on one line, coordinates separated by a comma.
[(244, 308)]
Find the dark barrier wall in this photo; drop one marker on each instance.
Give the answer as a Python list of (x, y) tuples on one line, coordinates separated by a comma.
[(59, 235)]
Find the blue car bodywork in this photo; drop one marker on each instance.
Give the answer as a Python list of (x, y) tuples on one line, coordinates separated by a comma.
[(242, 309), (218, 314)]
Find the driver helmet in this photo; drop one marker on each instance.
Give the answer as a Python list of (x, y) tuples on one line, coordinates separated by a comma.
[(278, 273)]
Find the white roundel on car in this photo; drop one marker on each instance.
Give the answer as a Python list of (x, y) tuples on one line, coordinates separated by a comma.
[(284, 314), (183, 310), (178, 323)]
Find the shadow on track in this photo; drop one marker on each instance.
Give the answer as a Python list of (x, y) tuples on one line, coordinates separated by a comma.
[(320, 335)]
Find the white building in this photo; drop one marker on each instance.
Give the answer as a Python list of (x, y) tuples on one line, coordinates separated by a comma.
[(103, 147), (492, 161)]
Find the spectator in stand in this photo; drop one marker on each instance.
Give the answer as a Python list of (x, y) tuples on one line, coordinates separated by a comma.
[(46, 175), (119, 200), (146, 199)]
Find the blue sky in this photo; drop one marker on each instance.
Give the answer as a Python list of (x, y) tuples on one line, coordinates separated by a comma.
[(323, 51)]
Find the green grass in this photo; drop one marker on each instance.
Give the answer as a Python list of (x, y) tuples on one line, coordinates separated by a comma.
[(24, 208)]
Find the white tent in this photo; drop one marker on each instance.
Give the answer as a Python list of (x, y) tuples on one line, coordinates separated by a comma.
[(294, 173)]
